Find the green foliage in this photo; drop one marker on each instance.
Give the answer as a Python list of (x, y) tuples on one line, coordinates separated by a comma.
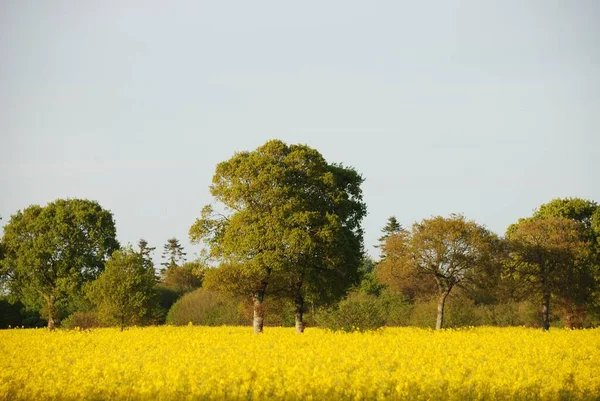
[(370, 285), (549, 255), (51, 251), (16, 315), (166, 297), (357, 312), (186, 278), (82, 320), (173, 254), (291, 222), (392, 227), (124, 293), (208, 308), (146, 252)]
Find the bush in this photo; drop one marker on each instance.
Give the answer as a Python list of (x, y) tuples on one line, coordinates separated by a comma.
[(358, 311), (207, 308), (83, 320), (17, 315), (398, 308), (166, 298)]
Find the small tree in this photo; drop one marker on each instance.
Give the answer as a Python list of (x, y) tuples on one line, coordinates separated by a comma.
[(392, 227), (399, 274), (172, 254), (186, 278), (125, 292), (146, 251), (451, 250), (545, 254)]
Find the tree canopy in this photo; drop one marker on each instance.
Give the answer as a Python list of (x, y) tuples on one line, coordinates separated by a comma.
[(51, 251), (291, 221), (448, 250), (544, 253), (124, 292)]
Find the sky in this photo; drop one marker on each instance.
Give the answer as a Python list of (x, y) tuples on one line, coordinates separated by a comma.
[(483, 108)]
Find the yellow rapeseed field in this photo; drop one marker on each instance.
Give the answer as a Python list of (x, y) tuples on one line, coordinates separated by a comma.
[(230, 363)]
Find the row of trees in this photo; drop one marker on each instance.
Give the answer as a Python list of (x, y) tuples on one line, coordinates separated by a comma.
[(64, 258), (552, 255), (286, 225)]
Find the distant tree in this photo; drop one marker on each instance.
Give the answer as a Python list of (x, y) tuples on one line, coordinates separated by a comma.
[(399, 272), (125, 292), (545, 254), (145, 250), (369, 283), (173, 254), (51, 251), (185, 278), (450, 250), (582, 293), (292, 223), (392, 227)]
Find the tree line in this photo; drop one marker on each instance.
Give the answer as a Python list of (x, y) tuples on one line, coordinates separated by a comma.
[(285, 224)]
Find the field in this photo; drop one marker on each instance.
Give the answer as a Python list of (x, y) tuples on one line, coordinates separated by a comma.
[(201, 363)]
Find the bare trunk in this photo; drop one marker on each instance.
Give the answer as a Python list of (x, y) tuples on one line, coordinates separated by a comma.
[(440, 310), (50, 301), (546, 311), (299, 304), (257, 300), (259, 316)]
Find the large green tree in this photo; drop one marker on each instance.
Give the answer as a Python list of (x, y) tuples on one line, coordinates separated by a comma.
[(545, 254), (51, 251), (125, 291), (291, 221)]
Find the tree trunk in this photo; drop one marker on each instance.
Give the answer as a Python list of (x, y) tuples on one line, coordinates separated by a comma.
[(50, 301), (259, 316), (440, 310), (299, 304), (546, 310)]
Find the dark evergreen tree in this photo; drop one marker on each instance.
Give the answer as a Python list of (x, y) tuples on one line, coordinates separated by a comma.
[(172, 254), (392, 227)]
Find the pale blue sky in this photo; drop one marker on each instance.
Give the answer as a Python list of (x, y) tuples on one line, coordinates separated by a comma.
[(483, 108)]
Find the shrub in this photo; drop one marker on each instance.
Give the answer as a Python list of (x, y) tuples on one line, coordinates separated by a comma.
[(208, 308), (398, 308), (83, 320), (358, 311), (166, 298)]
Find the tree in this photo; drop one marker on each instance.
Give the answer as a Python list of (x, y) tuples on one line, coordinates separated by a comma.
[(392, 227), (398, 272), (544, 253), (173, 254), (185, 278), (125, 292), (291, 222), (52, 251), (584, 280), (145, 250), (450, 250)]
